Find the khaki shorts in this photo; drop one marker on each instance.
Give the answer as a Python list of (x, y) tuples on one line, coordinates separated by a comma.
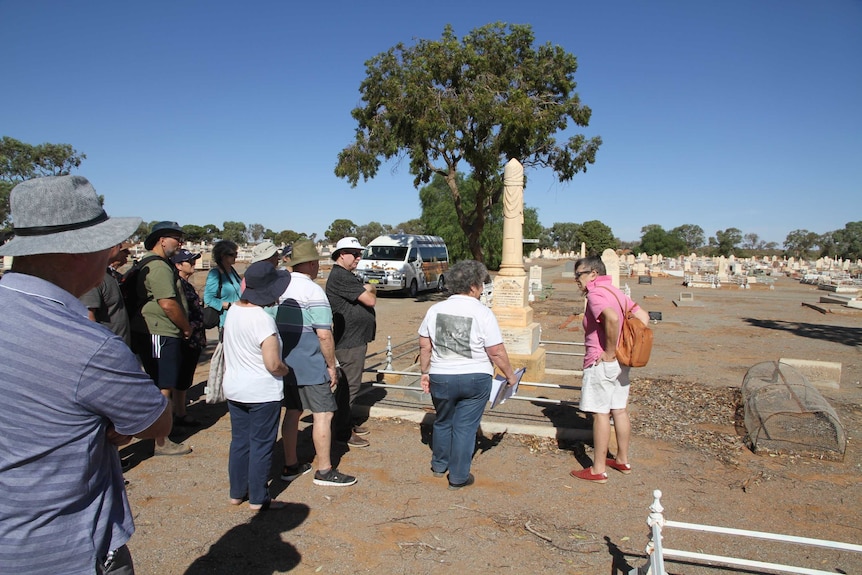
[(605, 387)]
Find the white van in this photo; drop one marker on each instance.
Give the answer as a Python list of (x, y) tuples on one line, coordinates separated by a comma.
[(407, 262)]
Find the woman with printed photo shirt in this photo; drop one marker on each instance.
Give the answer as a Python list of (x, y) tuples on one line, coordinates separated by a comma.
[(460, 342)]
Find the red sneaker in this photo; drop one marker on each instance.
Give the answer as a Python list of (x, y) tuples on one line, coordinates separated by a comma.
[(588, 475), (624, 468)]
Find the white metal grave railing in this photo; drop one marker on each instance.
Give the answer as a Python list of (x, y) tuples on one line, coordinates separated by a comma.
[(657, 552), (412, 351)]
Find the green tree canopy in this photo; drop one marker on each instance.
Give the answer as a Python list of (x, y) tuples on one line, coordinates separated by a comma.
[(235, 232), (20, 161), (438, 210), (565, 236), (752, 241), (799, 242), (194, 233), (338, 229), (597, 236), (287, 237), (485, 99), (725, 242), (255, 232), (848, 241), (413, 226), (655, 240), (691, 234), (370, 231), (142, 232)]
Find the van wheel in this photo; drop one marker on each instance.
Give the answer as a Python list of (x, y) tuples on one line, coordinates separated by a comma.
[(441, 283), (414, 289)]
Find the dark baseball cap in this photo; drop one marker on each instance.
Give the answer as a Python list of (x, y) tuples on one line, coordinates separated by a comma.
[(184, 255)]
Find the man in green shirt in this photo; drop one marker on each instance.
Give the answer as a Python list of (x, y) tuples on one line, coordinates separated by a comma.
[(161, 326)]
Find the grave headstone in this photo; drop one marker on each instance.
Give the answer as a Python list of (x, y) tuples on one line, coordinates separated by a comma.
[(612, 266), (536, 278)]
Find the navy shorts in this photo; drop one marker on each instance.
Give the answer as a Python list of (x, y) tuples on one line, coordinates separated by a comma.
[(162, 358)]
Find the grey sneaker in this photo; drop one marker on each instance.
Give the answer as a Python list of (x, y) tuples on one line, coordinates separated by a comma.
[(438, 473), (291, 472), (171, 448), (356, 441), (333, 478)]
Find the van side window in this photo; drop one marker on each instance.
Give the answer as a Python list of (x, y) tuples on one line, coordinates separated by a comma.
[(412, 257)]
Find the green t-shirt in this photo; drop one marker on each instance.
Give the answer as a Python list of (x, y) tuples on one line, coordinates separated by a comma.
[(159, 280)]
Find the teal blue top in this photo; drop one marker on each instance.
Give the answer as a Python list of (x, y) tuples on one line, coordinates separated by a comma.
[(230, 290)]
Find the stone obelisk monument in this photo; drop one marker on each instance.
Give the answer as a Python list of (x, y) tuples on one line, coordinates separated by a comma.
[(511, 286)]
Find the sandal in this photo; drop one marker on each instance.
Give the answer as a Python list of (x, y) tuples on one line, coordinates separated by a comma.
[(269, 504)]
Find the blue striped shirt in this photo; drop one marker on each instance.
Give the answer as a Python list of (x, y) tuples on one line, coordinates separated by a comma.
[(63, 380), (302, 310)]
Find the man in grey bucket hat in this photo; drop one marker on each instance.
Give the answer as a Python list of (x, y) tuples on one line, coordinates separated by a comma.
[(72, 390)]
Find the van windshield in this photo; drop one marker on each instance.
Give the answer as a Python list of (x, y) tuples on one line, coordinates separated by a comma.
[(387, 253)]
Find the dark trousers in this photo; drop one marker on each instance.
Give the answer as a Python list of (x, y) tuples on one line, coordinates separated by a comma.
[(351, 362)]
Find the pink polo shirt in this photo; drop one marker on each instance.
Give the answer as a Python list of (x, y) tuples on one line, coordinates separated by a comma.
[(598, 298)]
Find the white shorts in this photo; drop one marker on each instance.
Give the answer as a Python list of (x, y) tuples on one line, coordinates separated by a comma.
[(605, 387)]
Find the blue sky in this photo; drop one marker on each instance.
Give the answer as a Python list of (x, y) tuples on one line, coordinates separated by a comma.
[(732, 113)]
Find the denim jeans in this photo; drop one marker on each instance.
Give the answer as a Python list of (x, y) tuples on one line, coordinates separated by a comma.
[(254, 427), (459, 401)]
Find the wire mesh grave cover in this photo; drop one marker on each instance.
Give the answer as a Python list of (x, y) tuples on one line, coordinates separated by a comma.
[(785, 413)]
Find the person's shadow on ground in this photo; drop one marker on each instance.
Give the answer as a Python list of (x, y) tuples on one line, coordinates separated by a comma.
[(256, 547)]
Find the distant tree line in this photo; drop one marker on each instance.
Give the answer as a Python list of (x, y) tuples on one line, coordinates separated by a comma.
[(440, 216), (237, 232)]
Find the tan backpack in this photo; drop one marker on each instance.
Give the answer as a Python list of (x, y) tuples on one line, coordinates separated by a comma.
[(635, 344)]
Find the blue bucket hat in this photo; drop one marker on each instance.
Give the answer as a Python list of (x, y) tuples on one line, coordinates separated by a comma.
[(264, 284)]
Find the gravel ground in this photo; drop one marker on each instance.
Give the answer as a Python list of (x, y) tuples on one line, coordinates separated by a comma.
[(525, 514)]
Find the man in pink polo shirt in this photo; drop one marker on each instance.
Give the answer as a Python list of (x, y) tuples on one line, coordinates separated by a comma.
[(605, 387)]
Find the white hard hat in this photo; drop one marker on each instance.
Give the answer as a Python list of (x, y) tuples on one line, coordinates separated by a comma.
[(348, 243)]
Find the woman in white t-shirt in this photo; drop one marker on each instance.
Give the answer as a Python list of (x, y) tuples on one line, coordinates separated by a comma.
[(253, 385), (459, 344)]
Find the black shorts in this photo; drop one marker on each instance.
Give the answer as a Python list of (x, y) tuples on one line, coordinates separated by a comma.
[(191, 355), (162, 358)]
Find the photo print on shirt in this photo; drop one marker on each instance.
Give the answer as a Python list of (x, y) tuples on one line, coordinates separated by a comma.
[(453, 336)]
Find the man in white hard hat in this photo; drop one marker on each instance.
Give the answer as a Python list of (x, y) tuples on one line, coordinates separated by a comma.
[(354, 325)]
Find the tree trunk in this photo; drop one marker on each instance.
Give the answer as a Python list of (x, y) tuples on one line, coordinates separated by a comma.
[(474, 245)]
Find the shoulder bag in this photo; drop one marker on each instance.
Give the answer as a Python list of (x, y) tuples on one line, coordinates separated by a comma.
[(635, 344)]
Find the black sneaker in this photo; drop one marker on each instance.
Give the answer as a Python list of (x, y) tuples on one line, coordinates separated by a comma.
[(456, 486), (333, 478), (291, 472)]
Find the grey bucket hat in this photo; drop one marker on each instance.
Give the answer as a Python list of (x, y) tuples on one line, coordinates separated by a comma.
[(62, 215)]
